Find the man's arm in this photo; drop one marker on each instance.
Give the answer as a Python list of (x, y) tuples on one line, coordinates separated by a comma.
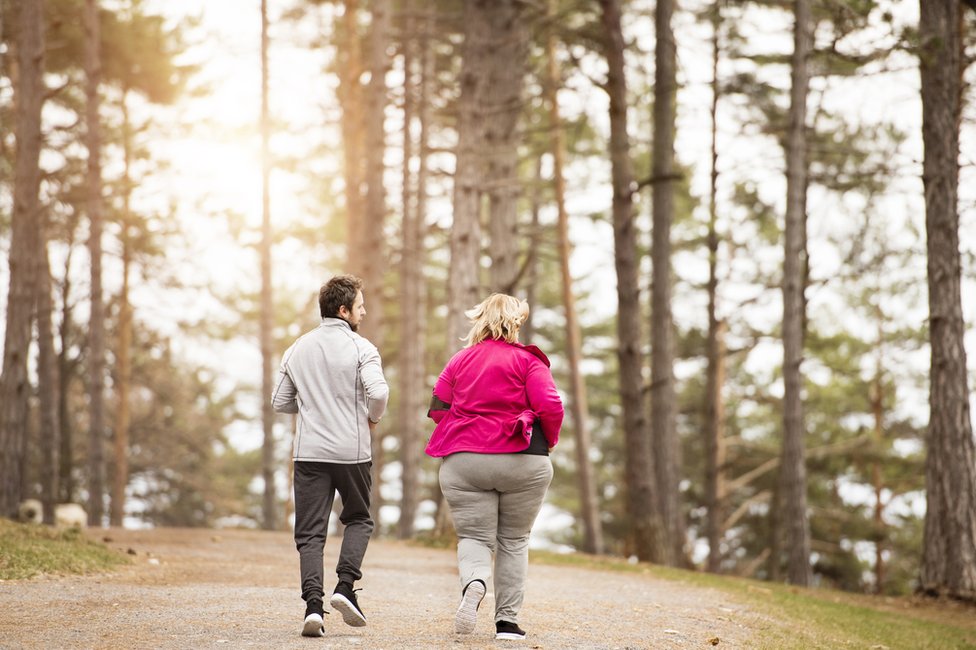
[(377, 390), (284, 398)]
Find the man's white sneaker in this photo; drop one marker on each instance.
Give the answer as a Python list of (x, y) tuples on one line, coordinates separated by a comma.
[(344, 601), (313, 626)]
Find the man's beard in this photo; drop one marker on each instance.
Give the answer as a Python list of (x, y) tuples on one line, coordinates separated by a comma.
[(353, 327)]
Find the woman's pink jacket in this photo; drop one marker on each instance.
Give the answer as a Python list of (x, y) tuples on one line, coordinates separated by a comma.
[(487, 398)]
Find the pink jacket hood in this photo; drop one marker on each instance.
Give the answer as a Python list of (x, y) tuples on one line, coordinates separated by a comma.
[(487, 398)]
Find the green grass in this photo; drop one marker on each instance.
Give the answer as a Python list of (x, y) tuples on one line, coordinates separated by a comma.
[(794, 618), (28, 550)]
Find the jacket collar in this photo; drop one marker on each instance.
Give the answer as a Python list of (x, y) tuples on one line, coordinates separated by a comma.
[(336, 322), (536, 351), (531, 349)]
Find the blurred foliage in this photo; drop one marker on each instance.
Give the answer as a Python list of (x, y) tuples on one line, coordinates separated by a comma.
[(185, 468)]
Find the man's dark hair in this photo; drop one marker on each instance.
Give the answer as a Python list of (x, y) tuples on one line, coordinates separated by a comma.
[(337, 292)]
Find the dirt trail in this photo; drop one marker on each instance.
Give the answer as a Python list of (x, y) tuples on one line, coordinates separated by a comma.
[(239, 589)]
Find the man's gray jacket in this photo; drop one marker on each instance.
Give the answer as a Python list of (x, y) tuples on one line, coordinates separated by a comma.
[(333, 379)]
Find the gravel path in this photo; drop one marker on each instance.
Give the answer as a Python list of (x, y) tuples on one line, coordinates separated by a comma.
[(239, 589)]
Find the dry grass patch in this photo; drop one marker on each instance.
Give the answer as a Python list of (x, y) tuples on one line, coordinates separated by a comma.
[(29, 550)]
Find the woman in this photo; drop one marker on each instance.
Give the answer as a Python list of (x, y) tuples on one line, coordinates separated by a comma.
[(497, 415)]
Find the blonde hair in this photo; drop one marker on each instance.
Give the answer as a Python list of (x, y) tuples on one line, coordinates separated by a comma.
[(498, 316)]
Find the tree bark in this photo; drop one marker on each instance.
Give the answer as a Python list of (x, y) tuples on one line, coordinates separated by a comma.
[(96, 352), (949, 546), (269, 502), (14, 383), (667, 464), (589, 508), (123, 354), (877, 407), (793, 466), (350, 94), (527, 333), (412, 289), (47, 381), (67, 369), (504, 52), (372, 257), (464, 286), (714, 346), (646, 528)]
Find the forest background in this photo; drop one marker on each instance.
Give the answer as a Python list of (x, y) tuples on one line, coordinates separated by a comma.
[(246, 153)]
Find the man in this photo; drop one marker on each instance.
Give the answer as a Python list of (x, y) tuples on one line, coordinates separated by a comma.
[(333, 379)]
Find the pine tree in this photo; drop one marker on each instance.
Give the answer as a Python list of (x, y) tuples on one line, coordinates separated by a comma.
[(649, 540), (663, 432), (949, 550), (25, 233), (593, 529), (792, 466)]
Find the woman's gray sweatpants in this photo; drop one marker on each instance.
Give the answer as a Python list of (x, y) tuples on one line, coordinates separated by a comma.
[(494, 501)]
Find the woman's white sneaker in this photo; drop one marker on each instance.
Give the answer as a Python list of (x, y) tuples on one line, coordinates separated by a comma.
[(467, 611), (506, 631)]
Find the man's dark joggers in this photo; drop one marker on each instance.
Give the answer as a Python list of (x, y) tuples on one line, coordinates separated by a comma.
[(315, 487)]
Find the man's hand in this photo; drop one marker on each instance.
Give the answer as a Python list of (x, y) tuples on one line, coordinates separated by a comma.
[(372, 425)]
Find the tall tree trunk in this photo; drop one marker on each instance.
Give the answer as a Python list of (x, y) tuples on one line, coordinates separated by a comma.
[(527, 333), (775, 560), (715, 483), (47, 381), (503, 61), (592, 528), (267, 414), (646, 527), (14, 384), (123, 354), (372, 257), (877, 407), (67, 367), (793, 466), (949, 546), (428, 76), (715, 379), (463, 283), (412, 289), (96, 352), (664, 435), (350, 96)]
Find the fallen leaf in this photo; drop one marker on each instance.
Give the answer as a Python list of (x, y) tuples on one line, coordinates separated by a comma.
[(713, 640)]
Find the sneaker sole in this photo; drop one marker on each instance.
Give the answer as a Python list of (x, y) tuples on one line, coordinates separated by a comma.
[(467, 611), (313, 626), (350, 615), (508, 636)]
